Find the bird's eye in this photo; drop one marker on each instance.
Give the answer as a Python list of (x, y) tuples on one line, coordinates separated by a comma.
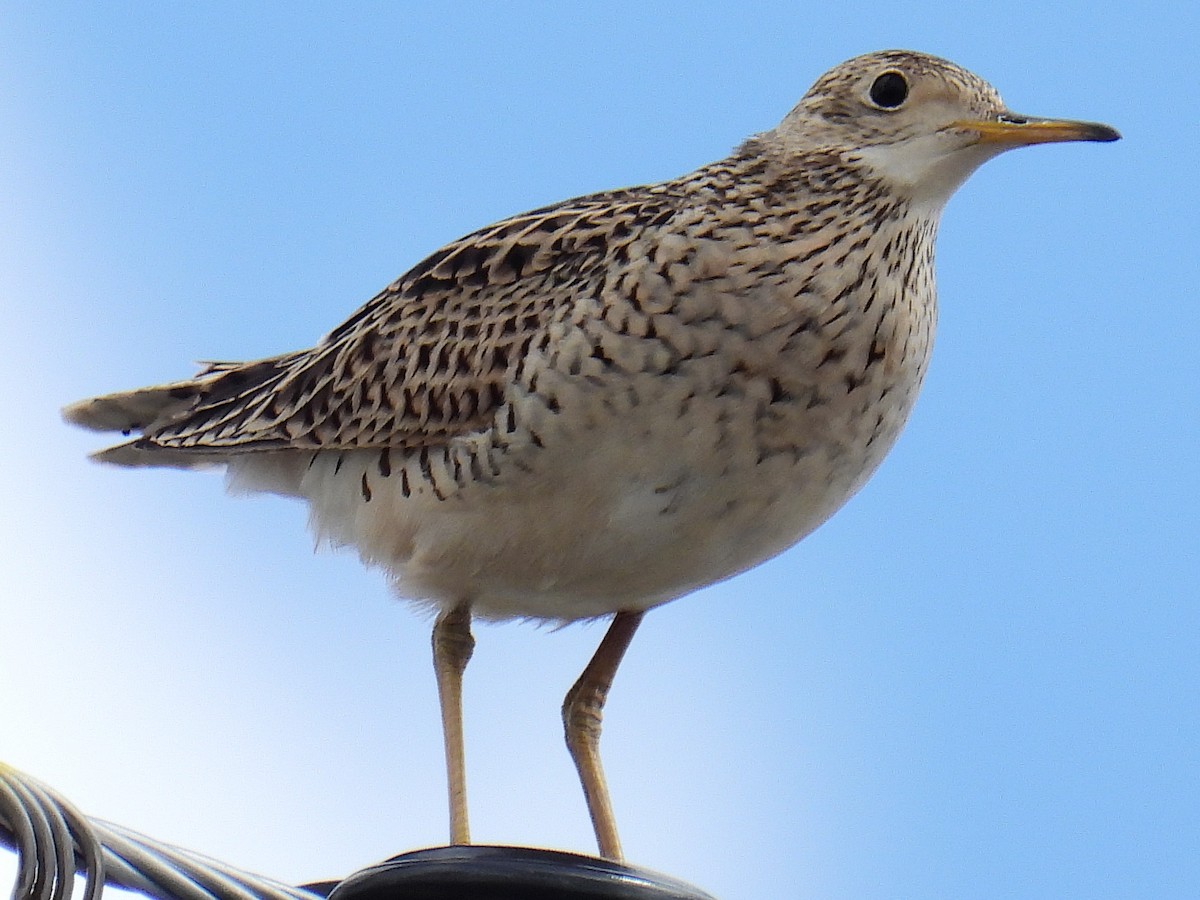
[(889, 90)]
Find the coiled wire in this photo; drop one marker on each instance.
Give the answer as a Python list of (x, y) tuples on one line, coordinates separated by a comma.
[(54, 842)]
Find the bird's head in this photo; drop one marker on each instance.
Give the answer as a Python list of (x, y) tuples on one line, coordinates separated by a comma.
[(921, 123)]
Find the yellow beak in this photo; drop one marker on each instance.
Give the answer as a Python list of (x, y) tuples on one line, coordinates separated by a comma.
[(1012, 129)]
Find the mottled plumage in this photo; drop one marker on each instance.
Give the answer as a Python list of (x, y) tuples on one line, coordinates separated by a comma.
[(601, 405)]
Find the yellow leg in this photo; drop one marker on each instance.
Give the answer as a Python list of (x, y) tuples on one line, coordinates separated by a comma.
[(452, 648), (582, 711)]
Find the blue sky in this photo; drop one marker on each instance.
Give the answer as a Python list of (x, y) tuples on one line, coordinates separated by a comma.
[(980, 679)]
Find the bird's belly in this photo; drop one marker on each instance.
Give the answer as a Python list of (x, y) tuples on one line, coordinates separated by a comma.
[(627, 515)]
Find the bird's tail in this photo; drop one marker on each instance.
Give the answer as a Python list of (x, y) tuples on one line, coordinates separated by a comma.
[(144, 411)]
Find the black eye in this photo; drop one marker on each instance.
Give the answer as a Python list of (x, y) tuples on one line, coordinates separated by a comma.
[(889, 90)]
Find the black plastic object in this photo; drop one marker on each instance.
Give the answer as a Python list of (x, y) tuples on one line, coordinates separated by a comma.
[(477, 872)]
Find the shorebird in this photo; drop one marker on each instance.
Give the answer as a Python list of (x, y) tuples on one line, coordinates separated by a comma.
[(602, 405)]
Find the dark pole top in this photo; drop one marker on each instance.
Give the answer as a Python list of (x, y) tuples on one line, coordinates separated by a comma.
[(508, 873)]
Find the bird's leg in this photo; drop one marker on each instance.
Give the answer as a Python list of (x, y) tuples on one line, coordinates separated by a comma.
[(582, 711), (452, 648)]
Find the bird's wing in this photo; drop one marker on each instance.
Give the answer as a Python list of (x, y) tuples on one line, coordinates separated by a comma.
[(426, 359)]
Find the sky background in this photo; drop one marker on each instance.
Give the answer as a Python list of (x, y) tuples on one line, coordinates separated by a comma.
[(980, 679)]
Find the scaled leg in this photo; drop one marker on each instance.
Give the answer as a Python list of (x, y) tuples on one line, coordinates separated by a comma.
[(452, 648), (582, 711)]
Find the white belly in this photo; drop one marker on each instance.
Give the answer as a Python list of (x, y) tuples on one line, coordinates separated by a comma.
[(623, 514)]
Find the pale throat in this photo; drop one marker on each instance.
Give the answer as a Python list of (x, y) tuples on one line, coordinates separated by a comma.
[(928, 168)]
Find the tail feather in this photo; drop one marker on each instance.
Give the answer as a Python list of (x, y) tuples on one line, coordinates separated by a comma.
[(148, 411), (140, 453), (137, 410)]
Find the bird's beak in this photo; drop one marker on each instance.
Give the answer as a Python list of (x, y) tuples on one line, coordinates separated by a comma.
[(1012, 130)]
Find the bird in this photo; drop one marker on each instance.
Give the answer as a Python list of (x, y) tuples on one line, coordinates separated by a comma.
[(593, 408)]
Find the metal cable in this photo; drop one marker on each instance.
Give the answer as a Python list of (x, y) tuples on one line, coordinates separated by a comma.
[(54, 843)]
